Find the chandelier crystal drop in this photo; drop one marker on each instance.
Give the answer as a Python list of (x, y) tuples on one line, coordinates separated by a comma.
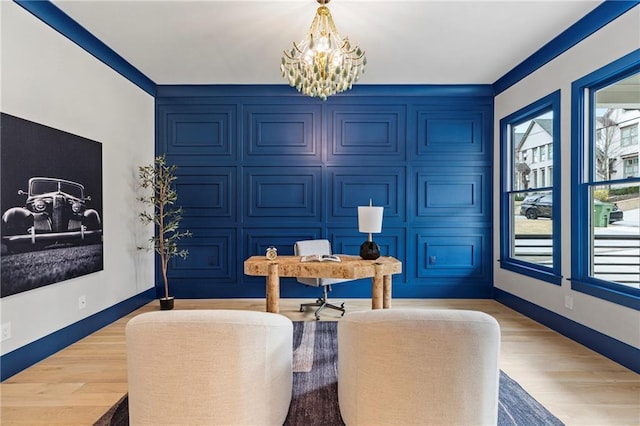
[(323, 64)]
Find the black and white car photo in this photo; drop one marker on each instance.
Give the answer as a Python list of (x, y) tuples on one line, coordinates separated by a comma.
[(55, 212)]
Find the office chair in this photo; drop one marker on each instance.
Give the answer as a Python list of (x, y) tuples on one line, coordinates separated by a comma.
[(303, 248)]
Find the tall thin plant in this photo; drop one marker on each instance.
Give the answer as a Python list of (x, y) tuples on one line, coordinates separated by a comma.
[(158, 181)]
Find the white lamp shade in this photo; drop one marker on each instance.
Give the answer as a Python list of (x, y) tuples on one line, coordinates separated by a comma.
[(370, 219)]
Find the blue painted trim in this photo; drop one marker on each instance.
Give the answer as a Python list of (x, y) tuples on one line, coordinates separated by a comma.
[(252, 90), (616, 293), (616, 70), (581, 175), (552, 275), (51, 15), (614, 349), (532, 270), (605, 13), (25, 356)]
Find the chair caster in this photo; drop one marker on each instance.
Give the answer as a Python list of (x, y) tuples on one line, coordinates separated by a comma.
[(317, 318), (342, 314), (301, 309)]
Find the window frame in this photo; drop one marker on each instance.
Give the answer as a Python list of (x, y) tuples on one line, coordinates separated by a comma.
[(582, 116), (634, 163), (630, 138), (552, 274)]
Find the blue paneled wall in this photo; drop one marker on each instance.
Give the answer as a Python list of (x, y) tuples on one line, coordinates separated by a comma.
[(262, 165)]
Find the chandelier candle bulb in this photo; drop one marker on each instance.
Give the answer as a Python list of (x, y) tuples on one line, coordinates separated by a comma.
[(323, 63)]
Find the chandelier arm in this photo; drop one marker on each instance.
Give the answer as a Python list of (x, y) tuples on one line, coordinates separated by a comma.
[(301, 51), (332, 26)]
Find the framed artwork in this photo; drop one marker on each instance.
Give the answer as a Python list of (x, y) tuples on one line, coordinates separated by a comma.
[(51, 205)]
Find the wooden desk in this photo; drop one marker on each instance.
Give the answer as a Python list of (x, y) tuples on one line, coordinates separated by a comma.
[(352, 267)]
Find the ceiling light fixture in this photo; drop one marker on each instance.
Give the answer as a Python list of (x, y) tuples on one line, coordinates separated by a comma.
[(323, 64)]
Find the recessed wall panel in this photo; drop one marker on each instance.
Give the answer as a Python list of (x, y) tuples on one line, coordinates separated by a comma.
[(366, 131), (356, 186), (451, 132), (283, 131), (285, 193), (212, 255), (450, 256), (197, 129), (207, 192), (452, 192)]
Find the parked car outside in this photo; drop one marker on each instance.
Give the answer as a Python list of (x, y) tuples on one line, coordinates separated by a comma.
[(55, 211), (541, 205), (535, 206)]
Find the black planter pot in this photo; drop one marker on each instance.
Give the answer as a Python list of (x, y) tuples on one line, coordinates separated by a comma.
[(166, 303)]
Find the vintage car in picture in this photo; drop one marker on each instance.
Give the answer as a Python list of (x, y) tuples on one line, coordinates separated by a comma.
[(55, 212)]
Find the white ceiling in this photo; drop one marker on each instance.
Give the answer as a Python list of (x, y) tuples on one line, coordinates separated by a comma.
[(406, 42)]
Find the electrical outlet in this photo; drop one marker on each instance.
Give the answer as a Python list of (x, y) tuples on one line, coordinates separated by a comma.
[(6, 331), (82, 302), (568, 302)]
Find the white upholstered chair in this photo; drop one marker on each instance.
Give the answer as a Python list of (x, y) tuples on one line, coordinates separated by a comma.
[(411, 366), (209, 367), (307, 247)]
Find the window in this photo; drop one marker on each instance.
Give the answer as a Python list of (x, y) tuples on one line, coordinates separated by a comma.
[(605, 183), (629, 135), (543, 153), (530, 237), (630, 167)]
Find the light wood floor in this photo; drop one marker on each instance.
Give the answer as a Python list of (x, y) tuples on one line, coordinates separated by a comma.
[(78, 384)]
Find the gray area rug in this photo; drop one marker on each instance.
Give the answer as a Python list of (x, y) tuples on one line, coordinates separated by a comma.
[(315, 387)]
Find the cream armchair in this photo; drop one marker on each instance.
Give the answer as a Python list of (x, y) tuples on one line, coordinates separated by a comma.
[(411, 366), (213, 367)]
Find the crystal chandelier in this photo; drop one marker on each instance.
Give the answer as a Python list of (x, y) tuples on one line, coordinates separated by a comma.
[(323, 64)]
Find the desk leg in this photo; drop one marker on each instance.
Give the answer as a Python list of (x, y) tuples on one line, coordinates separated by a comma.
[(273, 289), (386, 292), (376, 288)]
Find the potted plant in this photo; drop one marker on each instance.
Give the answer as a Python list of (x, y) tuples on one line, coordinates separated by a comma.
[(157, 180)]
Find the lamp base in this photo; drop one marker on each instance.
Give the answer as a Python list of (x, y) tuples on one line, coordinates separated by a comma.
[(369, 250)]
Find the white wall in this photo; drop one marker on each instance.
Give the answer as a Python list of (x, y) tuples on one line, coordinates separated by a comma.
[(610, 43), (50, 80)]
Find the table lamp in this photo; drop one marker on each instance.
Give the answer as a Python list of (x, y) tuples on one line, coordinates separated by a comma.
[(370, 221)]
